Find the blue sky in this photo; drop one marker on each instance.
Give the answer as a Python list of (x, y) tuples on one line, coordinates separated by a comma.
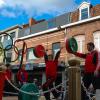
[(18, 12)]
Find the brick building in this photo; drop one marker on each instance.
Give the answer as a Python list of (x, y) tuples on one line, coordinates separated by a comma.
[(82, 24)]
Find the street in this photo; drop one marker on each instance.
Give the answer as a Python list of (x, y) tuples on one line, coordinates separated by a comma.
[(16, 98), (10, 98)]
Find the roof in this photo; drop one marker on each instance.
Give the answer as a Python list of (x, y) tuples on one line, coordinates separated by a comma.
[(11, 28), (86, 3)]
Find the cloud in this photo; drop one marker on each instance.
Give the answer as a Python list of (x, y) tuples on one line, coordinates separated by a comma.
[(7, 13), (2, 3), (38, 7)]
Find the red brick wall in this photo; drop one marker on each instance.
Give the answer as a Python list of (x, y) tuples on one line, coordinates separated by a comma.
[(48, 39), (94, 11), (87, 29), (75, 16)]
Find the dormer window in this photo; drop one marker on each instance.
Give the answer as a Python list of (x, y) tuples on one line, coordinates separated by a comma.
[(84, 11)]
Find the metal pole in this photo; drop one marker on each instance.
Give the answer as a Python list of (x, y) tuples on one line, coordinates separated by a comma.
[(22, 55)]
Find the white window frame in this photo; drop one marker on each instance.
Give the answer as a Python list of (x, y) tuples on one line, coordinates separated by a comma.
[(30, 54), (96, 36), (81, 42)]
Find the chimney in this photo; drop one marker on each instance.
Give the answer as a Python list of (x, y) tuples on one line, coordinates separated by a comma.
[(32, 21), (25, 25)]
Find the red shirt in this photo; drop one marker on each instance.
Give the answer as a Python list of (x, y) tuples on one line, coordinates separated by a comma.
[(51, 68), (22, 75), (89, 63)]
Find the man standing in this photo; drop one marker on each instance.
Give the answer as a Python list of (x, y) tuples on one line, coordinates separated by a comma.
[(8, 74), (91, 69)]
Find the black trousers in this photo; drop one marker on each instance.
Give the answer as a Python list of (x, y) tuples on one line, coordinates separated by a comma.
[(89, 78), (48, 85)]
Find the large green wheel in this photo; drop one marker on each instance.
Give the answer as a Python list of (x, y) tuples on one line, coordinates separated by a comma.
[(29, 87), (71, 45)]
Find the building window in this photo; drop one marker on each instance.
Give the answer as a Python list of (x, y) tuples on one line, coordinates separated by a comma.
[(55, 47), (96, 36), (20, 54), (81, 42), (5, 38), (30, 55), (27, 31), (12, 35), (84, 10), (84, 13), (5, 41), (8, 55)]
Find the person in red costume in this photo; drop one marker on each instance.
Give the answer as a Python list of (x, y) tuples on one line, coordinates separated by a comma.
[(51, 75), (22, 75), (91, 68), (8, 73)]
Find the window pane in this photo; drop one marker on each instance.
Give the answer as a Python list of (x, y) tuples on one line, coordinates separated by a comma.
[(30, 54), (85, 10), (19, 57), (81, 42), (55, 47), (26, 31), (5, 37), (84, 13), (84, 16), (6, 42), (9, 56), (12, 34), (97, 40), (97, 43)]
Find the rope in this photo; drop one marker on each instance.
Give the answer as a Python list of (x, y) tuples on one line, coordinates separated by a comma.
[(32, 93), (61, 91), (29, 93), (55, 88), (87, 93), (10, 93), (40, 92)]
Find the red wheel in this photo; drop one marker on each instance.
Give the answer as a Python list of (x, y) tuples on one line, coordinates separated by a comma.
[(39, 51)]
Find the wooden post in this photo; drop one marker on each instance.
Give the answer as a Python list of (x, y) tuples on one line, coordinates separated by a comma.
[(74, 76)]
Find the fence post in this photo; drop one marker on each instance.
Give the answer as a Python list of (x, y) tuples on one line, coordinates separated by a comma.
[(74, 76)]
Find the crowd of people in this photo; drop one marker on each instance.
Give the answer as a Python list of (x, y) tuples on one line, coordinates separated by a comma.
[(51, 75)]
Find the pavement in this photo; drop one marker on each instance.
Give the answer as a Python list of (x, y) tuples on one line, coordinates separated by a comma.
[(16, 98), (10, 98)]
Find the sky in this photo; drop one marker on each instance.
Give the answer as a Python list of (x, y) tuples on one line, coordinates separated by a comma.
[(18, 12)]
